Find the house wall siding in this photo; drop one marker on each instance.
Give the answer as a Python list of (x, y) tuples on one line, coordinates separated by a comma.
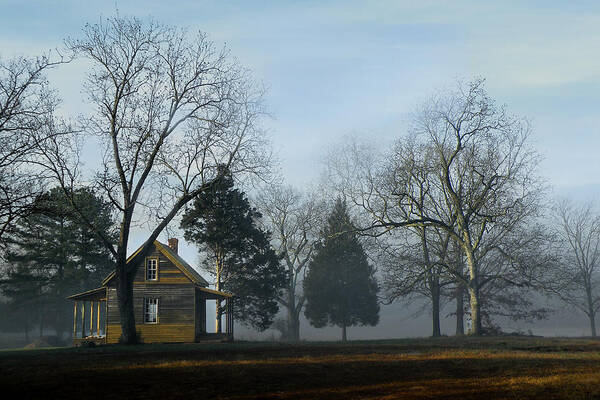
[(156, 333), (176, 305)]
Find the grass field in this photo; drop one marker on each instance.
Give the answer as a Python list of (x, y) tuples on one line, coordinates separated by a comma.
[(450, 368)]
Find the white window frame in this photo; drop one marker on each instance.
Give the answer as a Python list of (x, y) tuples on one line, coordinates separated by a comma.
[(150, 311), (148, 270)]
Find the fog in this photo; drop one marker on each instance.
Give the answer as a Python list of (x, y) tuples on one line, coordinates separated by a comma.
[(399, 321), (354, 68)]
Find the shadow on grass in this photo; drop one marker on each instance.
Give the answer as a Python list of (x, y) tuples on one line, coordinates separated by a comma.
[(399, 369)]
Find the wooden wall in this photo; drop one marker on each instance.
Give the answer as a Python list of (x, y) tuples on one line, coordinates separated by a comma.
[(156, 333), (176, 305)]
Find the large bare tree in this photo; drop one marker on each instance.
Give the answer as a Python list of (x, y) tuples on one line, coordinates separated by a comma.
[(170, 111), (480, 174), (577, 274), (294, 218)]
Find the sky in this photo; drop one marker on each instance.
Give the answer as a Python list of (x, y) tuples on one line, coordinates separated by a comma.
[(337, 68)]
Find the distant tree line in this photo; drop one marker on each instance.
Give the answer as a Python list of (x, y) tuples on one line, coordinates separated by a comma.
[(457, 211), (454, 211)]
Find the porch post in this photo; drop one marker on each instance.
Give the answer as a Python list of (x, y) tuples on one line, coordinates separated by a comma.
[(91, 318), (75, 320), (98, 321), (106, 318), (83, 319)]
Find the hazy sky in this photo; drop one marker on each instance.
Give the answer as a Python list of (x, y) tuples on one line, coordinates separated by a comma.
[(335, 68), (358, 67)]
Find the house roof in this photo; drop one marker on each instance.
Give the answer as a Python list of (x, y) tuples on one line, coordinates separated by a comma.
[(179, 262)]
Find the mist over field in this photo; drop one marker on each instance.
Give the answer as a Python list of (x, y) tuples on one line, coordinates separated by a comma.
[(317, 79)]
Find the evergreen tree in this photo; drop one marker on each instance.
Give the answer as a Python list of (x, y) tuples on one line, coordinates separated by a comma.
[(23, 306), (340, 286), (52, 254), (222, 224)]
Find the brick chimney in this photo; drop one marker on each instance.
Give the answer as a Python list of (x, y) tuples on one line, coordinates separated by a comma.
[(173, 244)]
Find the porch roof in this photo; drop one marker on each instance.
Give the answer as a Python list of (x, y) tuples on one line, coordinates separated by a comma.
[(90, 295), (211, 294)]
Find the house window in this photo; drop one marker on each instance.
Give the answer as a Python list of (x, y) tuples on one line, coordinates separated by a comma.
[(150, 311), (151, 269)]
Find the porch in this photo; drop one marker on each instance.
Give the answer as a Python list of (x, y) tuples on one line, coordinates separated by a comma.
[(90, 321), (225, 302), (89, 316)]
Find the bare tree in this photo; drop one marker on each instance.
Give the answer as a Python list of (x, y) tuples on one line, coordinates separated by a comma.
[(171, 111), (577, 275), (27, 108), (486, 174), (295, 220), (480, 174), (412, 265)]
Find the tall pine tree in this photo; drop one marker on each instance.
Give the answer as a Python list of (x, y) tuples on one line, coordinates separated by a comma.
[(237, 253), (53, 254), (340, 286)]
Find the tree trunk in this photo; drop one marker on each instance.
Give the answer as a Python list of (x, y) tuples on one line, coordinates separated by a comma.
[(218, 310), (218, 313), (125, 303), (294, 329), (293, 325), (475, 306), (41, 314), (344, 337), (591, 312), (124, 280), (434, 285), (593, 325), (435, 307), (293, 317), (460, 310)]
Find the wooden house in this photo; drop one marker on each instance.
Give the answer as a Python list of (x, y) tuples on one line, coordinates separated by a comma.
[(169, 303)]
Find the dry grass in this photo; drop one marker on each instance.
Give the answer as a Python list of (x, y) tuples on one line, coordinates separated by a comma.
[(471, 368)]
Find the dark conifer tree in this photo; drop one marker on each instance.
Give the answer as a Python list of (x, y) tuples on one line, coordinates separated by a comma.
[(52, 254), (237, 252), (23, 300), (340, 286)]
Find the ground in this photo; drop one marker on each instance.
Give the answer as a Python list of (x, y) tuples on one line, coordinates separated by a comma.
[(450, 368)]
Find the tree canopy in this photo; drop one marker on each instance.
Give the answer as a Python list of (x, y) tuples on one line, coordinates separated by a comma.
[(467, 168), (237, 253)]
